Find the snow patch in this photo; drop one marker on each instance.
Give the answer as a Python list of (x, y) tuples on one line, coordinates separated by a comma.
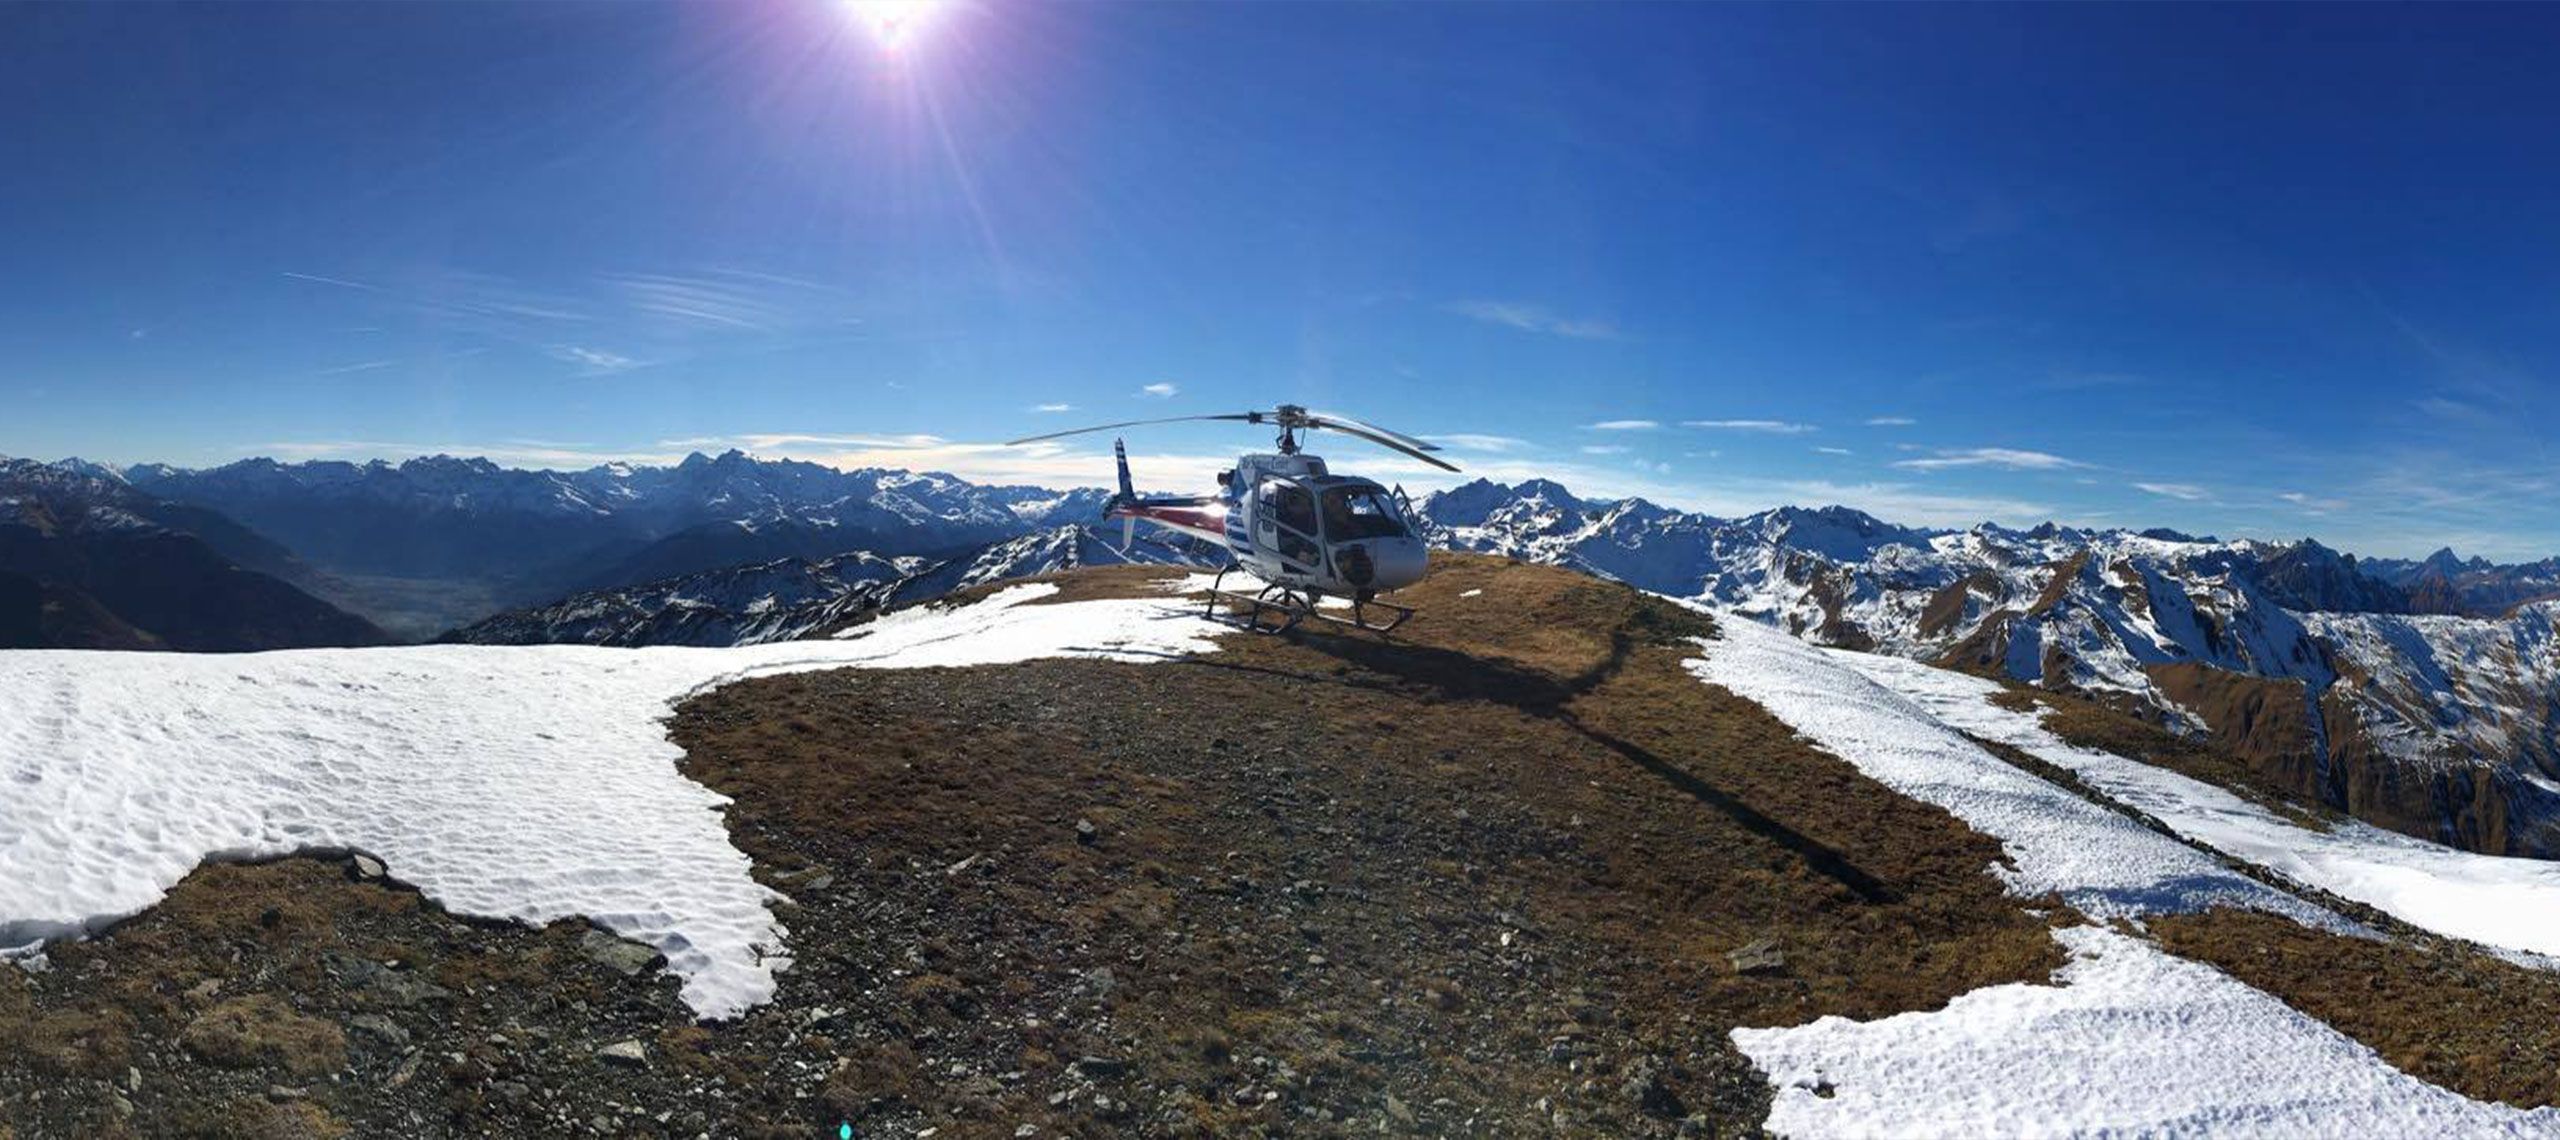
[(2129, 1041), (528, 783)]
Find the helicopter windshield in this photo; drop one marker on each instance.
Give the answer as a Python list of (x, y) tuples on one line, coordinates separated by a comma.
[(1360, 512)]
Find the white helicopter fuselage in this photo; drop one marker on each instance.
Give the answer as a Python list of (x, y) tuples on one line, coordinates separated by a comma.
[(1287, 520)]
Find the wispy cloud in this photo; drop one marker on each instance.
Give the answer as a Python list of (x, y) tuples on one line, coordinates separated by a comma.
[(1604, 449), (1046, 409), (735, 300), (2186, 491), (1835, 451), (340, 282), (2458, 411), (1772, 427), (2313, 504), (2005, 458), (472, 298), (1890, 421), (1533, 318), (594, 361), (785, 441), (359, 366), (522, 453), (1160, 391), (1469, 441), (2082, 380), (655, 306), (1624, 425)]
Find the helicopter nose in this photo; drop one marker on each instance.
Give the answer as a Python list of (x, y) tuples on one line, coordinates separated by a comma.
[(1400, 562)]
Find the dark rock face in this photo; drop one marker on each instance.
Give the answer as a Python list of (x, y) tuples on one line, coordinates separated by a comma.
[(2309, 576)]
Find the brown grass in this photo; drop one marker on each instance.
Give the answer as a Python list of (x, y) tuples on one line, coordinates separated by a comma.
[(261, 1031), (257, 1118), (1088, 584), (2263, 722)]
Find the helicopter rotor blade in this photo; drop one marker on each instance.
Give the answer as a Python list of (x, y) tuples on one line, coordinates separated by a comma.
[(1248, 417), (1337, 420), (1288, 417), (1387, 441)]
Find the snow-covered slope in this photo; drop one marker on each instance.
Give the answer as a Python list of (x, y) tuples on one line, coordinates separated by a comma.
[(2101, 862), (2128, 1040), (742, 605), (2509, 904), (522, 783)]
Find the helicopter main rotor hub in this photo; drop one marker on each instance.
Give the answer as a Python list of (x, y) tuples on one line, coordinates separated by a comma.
[(1292, 419)]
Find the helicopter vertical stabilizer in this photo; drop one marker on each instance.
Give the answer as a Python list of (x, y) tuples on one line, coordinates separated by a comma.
[(1128, 494)]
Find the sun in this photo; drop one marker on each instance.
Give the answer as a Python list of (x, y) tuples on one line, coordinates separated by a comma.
[(893, 23)]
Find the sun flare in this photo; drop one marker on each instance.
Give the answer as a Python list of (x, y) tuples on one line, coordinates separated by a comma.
[(893, 23)]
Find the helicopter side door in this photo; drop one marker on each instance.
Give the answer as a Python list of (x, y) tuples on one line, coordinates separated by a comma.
[(1285, 527)]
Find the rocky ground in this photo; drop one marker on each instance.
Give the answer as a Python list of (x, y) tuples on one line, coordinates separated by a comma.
[(1514, 872)]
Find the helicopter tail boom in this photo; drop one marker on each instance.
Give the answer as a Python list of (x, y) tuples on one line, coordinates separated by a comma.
[(1200, 516)]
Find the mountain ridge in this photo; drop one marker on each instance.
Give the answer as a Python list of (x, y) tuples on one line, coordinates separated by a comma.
[(92, 562)]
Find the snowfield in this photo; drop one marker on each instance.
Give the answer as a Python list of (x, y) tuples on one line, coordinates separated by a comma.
[(531, 783), (2508, 904), (2128, 1042)]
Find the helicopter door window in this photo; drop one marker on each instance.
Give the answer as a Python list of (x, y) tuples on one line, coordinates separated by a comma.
[(1294, 510)]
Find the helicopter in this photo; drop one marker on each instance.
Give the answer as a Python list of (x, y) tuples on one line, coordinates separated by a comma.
[(1289, 521)]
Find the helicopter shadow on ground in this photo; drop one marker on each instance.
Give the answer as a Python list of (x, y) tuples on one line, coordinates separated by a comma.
[(1445, 674)]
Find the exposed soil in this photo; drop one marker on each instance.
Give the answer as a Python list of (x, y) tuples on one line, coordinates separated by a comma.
[(285, 1000)]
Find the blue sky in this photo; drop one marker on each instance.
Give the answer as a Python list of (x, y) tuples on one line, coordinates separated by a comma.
[(2270, 270)]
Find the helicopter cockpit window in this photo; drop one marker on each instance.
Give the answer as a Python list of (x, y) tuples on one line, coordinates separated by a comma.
[(1360, 512)]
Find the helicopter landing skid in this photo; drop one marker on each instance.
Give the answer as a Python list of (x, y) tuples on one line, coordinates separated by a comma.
[(1287, 607)]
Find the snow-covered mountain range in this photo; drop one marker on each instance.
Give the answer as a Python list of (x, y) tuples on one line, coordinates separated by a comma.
[(797, 597), (472, 515), (380, 529), (87, 561), (2291, 656)]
